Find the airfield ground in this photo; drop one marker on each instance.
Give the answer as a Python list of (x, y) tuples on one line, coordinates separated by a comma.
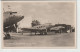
[(50, 40)]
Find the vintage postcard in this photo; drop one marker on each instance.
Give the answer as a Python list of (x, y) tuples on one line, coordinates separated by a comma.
[(39, 24)]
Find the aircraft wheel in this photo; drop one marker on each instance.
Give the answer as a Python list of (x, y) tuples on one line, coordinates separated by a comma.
[(45, 33), (7, 36), (41, 33)]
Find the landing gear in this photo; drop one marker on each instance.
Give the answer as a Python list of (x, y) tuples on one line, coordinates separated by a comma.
[(35, 33), (45, 33), (7, 36), (41, 33)]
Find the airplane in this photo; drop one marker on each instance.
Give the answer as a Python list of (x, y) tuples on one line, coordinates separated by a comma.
[(60, 28), (10, 19), (57, 29), (42, 29)]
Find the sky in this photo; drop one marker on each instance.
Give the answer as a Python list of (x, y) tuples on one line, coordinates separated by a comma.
[(45, 12)]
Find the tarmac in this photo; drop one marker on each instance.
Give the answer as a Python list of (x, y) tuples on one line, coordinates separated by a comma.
[(50, 40)]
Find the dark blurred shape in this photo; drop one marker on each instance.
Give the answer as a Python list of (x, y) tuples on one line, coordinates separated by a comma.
[(62, 28), (35, 23), (10, 20), (7, 35)]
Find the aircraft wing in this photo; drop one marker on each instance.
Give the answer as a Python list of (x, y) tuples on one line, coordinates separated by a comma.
[(35, 28)]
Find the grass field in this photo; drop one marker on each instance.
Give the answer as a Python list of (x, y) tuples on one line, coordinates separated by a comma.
[(50, 40)]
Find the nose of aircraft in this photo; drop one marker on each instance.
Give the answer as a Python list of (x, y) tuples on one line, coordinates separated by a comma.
[(20, 18)]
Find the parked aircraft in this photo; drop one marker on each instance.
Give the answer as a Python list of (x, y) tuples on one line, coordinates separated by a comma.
[(60, 28), (42, 29), (10, 20)]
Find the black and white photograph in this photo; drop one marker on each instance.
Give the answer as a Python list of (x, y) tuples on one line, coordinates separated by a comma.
[(39, 24)]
